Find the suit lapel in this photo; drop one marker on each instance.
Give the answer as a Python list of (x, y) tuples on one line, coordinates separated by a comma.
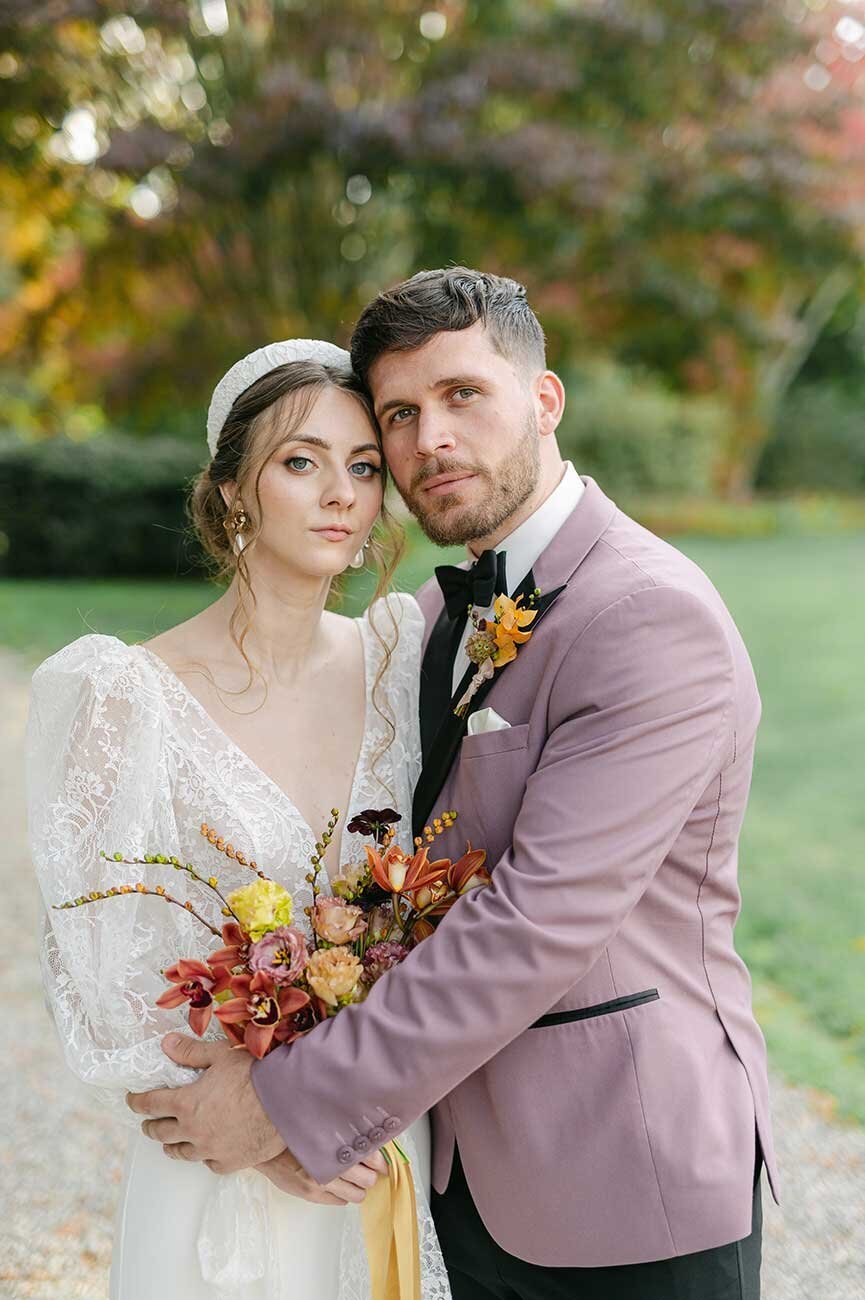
[(444, 730), (436, 673)]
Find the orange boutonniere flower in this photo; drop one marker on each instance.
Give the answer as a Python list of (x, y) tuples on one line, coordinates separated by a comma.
[(509, 628), (492, 645)]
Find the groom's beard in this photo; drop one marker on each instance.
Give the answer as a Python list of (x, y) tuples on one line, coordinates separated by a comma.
[(506, 488)]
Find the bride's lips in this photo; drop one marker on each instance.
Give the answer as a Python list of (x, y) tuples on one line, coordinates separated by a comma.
[(333, 534), (444, 483)]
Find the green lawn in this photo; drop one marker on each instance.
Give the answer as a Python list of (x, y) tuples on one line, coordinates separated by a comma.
[(800, 603)]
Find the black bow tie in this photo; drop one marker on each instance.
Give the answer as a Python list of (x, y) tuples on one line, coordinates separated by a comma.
[(486, 579)]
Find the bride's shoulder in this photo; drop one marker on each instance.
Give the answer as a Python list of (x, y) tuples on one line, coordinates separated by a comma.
[(396, 620), (399, 607), (95, 660)]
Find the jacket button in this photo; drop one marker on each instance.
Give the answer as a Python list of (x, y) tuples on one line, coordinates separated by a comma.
[(392, 1123), (345, 1155), (376, 1135), (361, 1144)]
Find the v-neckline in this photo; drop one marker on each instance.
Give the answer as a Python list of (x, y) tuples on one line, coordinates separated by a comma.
[(166, 669)]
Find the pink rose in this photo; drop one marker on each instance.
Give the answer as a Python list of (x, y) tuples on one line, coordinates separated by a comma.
[(280, 953)]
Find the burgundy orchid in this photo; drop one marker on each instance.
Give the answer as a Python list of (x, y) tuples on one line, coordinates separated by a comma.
[(252, 1017), (194, 982)]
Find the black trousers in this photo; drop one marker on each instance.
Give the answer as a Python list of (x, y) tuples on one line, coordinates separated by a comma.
[(479, 1269)]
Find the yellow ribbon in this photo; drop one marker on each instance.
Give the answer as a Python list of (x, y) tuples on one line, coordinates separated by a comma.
[(389, 1215)]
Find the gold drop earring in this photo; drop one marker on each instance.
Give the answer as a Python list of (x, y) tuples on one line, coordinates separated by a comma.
[(234, 524)]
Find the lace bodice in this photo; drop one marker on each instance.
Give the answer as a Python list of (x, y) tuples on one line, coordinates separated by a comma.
[(122, 757)]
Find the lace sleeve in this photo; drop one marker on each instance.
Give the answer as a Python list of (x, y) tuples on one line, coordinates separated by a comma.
[(97, 779)]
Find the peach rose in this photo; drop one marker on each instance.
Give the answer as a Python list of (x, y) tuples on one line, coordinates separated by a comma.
[(333, 974), (337, 922)]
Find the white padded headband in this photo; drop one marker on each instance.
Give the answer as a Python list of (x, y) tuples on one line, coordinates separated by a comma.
[(245, 372)]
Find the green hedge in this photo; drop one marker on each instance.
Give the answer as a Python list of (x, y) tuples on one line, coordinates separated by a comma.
[(812, 514), (819, 442), (635, 436), (110, 507)]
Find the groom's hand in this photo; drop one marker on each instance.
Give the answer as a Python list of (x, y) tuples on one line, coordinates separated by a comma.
[(287, 1173), (218, 1119)]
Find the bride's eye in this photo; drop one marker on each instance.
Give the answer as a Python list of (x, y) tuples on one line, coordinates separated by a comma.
[(298, 463), (365, 465)]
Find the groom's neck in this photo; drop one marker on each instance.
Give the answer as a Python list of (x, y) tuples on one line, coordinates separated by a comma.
[(549, 479)]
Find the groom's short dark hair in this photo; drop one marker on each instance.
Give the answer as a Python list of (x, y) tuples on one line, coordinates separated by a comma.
[(407, 316)]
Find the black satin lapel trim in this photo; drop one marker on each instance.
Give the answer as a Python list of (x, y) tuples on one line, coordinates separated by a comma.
[(436, 674), (443, 748)]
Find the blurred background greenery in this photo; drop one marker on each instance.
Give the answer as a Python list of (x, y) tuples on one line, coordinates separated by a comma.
[(680, 185)]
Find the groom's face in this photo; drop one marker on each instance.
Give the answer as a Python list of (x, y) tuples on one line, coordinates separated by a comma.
[(459, 432)]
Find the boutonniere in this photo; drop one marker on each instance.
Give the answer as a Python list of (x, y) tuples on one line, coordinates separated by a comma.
[(494, 644)]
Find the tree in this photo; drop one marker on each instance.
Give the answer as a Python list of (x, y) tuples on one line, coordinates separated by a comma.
[(264, 167)]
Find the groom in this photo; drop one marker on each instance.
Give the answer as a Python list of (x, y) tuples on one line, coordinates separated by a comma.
[(582, 1028)]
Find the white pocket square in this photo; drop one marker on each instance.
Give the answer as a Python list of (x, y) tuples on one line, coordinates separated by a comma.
[(486, 720)]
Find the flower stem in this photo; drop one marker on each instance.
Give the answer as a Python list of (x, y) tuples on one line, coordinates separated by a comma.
[(121, 892), (178, 866)]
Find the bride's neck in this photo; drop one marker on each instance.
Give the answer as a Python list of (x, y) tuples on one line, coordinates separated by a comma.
[(285, 621)]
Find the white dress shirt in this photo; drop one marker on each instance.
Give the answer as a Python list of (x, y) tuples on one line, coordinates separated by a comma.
[(524, 546)]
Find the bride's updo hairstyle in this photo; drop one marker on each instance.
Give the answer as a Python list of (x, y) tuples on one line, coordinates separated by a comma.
[(262, 417)]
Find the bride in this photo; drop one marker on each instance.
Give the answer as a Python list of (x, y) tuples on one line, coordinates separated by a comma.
[(256, 716)]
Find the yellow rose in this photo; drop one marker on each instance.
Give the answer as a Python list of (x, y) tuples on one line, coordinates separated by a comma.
[(334, 973), (260, 907)]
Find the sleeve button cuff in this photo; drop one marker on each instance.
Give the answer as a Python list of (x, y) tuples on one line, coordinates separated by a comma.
[(376, 1135), (361, 1144), (345, 1155), (392, 1123)]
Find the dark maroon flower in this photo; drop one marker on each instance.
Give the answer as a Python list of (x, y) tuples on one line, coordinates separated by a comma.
[(374, 821)]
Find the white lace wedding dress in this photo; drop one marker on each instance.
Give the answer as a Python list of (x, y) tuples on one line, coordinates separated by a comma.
[(122, 757)]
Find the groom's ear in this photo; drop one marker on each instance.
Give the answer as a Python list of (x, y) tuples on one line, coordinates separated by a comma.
[(550, 400)]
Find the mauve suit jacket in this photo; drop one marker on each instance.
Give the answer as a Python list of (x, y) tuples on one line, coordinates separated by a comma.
[(583, 1026)]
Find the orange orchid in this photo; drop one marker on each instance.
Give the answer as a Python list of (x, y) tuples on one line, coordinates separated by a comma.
[(431, 891), (399, 874), (421, 929), (469, 872), (509, 628), (495, 642)]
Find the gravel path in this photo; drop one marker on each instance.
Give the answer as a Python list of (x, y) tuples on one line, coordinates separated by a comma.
[(60, 1160)]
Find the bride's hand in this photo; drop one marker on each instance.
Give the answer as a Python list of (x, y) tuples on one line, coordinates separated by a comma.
[(287, 1173)]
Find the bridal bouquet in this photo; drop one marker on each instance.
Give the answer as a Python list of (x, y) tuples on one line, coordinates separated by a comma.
[(270, 982)]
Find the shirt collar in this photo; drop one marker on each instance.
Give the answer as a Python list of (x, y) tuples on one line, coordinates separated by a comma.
[(532, 537)]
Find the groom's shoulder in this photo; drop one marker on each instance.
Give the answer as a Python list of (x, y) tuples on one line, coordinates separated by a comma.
[(628, 558), (635, 589)]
